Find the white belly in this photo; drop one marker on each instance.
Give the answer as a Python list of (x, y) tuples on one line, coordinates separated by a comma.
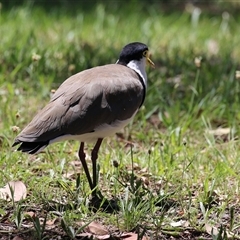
[(101, 131)]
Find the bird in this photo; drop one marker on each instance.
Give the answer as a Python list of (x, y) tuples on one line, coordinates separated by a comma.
[(91, 105)]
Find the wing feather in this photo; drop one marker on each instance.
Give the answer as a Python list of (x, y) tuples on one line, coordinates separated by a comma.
[(85, 101)]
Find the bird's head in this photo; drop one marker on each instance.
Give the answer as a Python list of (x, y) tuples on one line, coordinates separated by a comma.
[(135, 52)]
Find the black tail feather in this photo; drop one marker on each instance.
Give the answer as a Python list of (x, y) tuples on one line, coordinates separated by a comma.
[(30, 147)]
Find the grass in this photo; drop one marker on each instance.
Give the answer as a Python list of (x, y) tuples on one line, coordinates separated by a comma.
[(178, 178)]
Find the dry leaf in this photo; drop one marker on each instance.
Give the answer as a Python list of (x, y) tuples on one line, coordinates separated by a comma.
[(96, 228), (214, 231), (75, 163), (85, 235), (69, 175), (180, 223), (144, 170), (220, 131), (30, 214), (17, 238), (51, 222), (104, 237), (132, 236), (211, 230), (145, 180), (17, 187), (223, 134)]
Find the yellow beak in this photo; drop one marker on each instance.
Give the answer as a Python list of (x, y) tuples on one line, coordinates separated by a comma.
[(150, 62)]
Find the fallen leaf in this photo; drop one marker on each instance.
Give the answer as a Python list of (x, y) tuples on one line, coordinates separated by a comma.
[(75, 163), (15, 189), (124, 235), (105, 237), (85, 235), (135, 166), (211, 230), (96, 228), (145, 180), (220, 133), (51, 222), (132, 236), (30, 214), (144, 170), (69, 175), (17, 238), (180, 223)]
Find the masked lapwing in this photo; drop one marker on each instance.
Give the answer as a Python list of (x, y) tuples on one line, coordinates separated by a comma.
[(90, 106)]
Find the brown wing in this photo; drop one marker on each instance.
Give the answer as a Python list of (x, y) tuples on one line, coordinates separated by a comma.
[(85, 101)]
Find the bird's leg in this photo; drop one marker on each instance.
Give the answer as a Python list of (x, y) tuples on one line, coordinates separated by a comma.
[(94, 164), (98, 200), (82, 157)]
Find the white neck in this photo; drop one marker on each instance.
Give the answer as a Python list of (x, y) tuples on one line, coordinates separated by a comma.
[(139, 67)]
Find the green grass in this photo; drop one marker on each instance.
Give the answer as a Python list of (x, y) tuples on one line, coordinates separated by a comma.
[(181, 170)]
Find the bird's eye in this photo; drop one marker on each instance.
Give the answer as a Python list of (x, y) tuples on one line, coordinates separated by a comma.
[(145, 53)]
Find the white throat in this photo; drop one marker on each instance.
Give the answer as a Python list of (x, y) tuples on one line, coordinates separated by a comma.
[(139, 67)]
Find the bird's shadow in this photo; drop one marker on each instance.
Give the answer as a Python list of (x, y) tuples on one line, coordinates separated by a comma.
[(99, 202), (113, 205)]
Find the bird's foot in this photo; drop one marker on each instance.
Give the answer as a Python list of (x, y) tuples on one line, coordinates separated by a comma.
[(99, 202)]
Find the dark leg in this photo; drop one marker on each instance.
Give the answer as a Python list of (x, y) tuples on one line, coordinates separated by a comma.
[(94, 164), (82, 158), (97, 200)]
